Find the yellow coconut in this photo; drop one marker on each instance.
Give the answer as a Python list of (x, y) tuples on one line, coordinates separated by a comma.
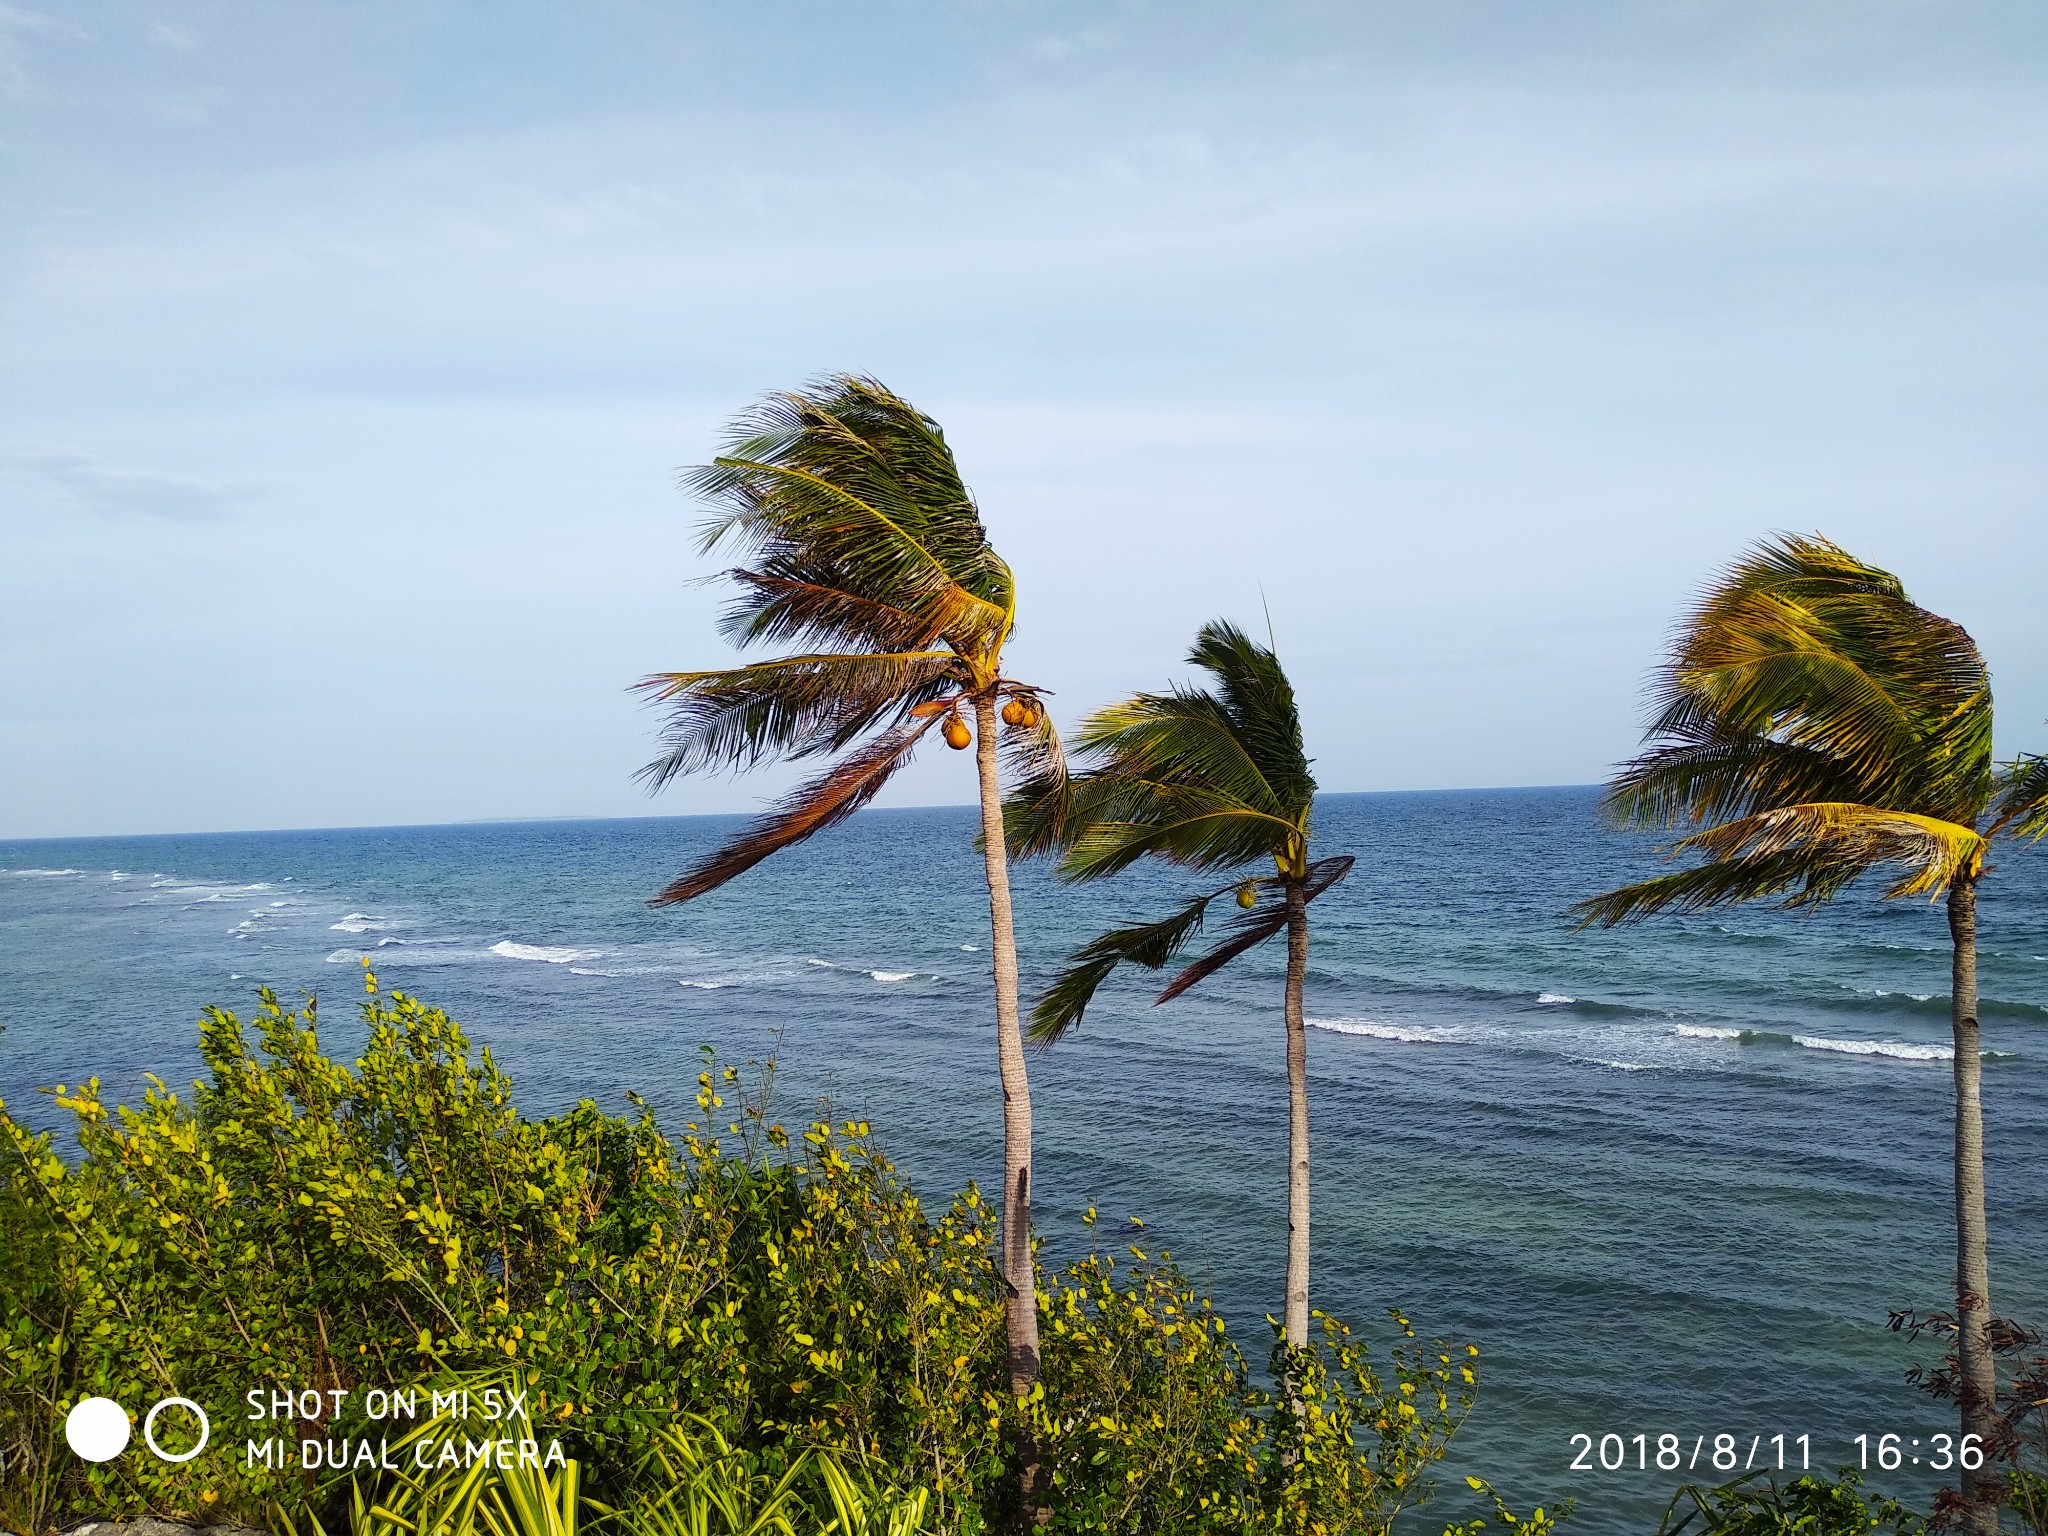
[(956, 733)]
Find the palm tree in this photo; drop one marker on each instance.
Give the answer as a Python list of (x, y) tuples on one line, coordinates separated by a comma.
[(1209, 780), (1813, 725), (859, 538)]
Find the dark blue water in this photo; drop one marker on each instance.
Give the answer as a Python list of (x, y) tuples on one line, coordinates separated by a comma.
[(1669, 1179)]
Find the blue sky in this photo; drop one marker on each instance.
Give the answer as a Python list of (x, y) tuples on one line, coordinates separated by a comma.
[(347, 353)]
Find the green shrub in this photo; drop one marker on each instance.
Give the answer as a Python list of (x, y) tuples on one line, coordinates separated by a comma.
[(1807, 1506), (303, 1224)]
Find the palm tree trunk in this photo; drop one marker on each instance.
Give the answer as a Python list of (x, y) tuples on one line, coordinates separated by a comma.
[(1297, 1119), (1021, 1305), (1977, 1388)]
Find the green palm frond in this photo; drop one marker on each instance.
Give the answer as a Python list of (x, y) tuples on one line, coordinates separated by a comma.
[(795, 706), (790, 598), (1260, 700), (1251, 929), (860, 541), (1814, 724), (1033, 754), (1801, 643), (1702, 773), (826, 801), (1210, 779), (860, 489), (1204, 779), (1183, 737), (1155, 945), (1151, 945), (2022, 807), (1859, 837), (1727, 883), (1183, 824)]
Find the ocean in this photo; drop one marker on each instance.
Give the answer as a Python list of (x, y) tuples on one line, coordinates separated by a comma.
[(1670, 1179)]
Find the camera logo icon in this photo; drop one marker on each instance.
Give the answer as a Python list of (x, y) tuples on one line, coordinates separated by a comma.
[(97, 1429)]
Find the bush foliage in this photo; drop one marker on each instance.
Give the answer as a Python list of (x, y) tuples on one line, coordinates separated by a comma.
[(301, 1223)]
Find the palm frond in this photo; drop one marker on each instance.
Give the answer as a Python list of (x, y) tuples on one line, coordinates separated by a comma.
[(1039, 815), (1151, 945), (1802, 644), (797, 706), (794, 599), (857, 487), (1183, 737), (1723, 884), (2022, 806), (827, 800), (1703, 773), (1204, 779), (1252, 928), (1034, 757), (1260, 701), (1850, 837), (1182, 824)]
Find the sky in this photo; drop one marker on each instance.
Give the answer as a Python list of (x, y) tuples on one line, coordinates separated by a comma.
[(348, 354)]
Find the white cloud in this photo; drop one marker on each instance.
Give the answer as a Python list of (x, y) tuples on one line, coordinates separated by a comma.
[(111, 491), (17, 25)]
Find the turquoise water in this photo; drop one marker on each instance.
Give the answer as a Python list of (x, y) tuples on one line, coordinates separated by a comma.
[(1670, 1179)]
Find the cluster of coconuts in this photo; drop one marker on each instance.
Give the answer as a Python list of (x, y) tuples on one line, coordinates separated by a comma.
[(1019, 710)]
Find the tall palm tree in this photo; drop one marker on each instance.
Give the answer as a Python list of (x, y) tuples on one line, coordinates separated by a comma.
[(1209, 779), (859, 538), (1812, 726)]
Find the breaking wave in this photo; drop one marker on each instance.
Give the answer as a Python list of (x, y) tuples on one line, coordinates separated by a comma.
[(553, 954), (1375, 1030)]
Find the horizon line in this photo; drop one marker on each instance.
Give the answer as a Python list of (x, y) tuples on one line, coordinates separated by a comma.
[(527, 821)]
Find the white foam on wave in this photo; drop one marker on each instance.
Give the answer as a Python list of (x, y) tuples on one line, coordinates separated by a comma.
[(707, 986), (972, 949), (1554, 997), (344, 956), (1709, 1032), (1898, 1050), (1618, 1066), (861, 970), (1373, 1029), (45, 872), (553, 954), (356, 922)]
